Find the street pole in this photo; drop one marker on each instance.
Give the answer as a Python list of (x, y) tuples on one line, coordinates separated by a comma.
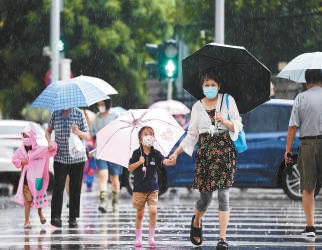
[(220, 22), (65, 68), (169, 94), (54, 39)]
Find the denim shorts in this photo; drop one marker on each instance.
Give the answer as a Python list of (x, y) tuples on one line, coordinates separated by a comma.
[(113, 169)]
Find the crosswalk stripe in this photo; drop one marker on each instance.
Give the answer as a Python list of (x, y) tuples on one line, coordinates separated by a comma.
[(251, 227)]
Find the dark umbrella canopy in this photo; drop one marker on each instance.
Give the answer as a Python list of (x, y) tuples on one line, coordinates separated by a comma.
[(243, 76)]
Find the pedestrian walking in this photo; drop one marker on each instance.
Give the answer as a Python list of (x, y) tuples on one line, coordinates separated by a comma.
[(65, 122), (184, 123), (144, 163), (33, 160), (106, 169), (90, 164), (306, 117), (216, 154), (90, 167), (182, 120)]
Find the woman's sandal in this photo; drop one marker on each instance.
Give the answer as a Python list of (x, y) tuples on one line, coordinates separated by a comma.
[(27, 225), (195, 232)]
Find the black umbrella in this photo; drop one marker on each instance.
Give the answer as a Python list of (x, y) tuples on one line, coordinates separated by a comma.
[(243, 76)]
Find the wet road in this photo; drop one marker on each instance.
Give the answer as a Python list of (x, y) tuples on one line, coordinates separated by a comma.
[(260, 219)]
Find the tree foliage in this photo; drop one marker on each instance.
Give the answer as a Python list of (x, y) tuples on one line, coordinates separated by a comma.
[(272, 30), (104, 38), (23, 31)]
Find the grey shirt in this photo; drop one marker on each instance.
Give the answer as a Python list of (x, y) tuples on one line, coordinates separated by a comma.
[(101, 121), (307, 112)]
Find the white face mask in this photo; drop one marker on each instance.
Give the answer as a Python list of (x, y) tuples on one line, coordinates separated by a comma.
[(26, 141), (101, 109), (179, 119), (148, 140)]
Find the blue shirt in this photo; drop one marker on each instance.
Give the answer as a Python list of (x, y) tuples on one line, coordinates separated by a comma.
[(152, 162), (62, 126)]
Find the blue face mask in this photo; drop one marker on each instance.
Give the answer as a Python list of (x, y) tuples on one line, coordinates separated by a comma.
[(210, 92)]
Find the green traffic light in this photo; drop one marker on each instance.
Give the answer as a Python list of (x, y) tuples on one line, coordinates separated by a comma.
[(170, 68), (168, 59), (61, 45)]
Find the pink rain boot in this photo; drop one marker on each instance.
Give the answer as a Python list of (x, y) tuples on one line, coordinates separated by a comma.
[(151, 237), (138, 239)]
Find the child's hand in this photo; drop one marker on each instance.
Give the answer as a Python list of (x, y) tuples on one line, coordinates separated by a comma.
[(141, 160), (24, 162), (50, 147), (173, 158)]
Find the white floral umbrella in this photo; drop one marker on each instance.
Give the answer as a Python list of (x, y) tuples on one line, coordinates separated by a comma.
[(117, 140)]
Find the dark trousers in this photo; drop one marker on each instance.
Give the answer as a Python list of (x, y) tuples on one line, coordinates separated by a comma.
[(75, 172)]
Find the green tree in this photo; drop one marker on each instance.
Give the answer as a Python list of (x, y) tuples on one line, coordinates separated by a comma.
[(272, 30), (105, 39), (23, 33), (276, 30)]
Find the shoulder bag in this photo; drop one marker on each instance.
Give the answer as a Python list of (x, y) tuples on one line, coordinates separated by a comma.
[(240, 144)]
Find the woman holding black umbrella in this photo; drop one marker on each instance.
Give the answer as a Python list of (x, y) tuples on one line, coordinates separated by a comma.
[(216, 154)]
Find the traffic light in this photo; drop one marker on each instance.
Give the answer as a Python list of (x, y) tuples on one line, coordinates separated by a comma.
[(61, 45), (152, 67), (168, 57)]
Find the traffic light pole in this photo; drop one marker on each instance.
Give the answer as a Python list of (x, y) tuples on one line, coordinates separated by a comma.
[(220, 22), (54, 39), (169, 93)]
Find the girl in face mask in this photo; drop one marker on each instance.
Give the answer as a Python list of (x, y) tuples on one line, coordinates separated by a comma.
[(144, 163), (33, 160), (216, 154)]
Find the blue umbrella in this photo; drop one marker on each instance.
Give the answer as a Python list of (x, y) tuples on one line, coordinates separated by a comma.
[(80, 91)]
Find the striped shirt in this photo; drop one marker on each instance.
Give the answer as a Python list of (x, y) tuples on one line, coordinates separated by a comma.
[(62, 126)]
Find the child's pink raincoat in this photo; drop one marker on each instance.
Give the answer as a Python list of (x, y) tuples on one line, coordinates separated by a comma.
[(36, 171)]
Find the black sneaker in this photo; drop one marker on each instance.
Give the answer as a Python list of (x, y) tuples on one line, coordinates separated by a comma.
[(309, 231), (72, 222), (56, 222), (222, 244)]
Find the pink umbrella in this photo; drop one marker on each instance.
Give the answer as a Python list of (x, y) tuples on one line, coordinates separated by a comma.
[(117, 140), (174, 107)]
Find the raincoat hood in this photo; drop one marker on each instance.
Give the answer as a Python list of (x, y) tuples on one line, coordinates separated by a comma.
[(30, 130)]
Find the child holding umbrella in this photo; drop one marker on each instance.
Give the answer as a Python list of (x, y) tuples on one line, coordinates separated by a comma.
[(144, 163)]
